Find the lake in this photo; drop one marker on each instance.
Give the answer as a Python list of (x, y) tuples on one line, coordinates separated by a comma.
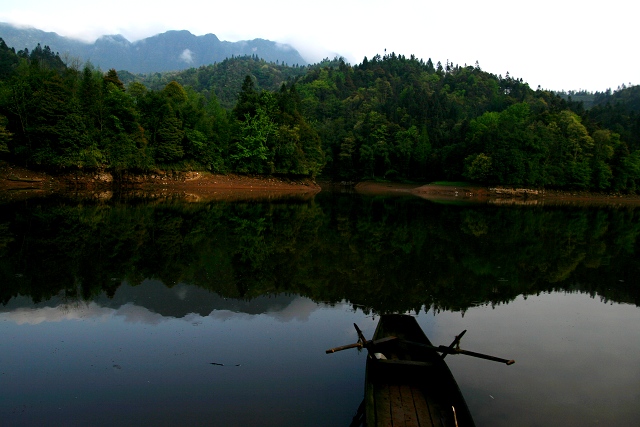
[(138, 311)]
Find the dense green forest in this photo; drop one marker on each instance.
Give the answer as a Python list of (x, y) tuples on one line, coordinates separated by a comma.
[(389, 117), (223, 79), (64, 118)]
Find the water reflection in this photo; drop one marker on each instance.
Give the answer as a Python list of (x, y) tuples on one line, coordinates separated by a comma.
[(576, 361), (381, 254), (152, 302), (219, 313), (96, 365)]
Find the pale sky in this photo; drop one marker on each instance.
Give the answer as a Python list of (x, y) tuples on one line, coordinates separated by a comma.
[(556, 44)]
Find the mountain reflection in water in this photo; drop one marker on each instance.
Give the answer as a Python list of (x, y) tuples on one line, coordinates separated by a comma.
[(152, 302), (172, 313)]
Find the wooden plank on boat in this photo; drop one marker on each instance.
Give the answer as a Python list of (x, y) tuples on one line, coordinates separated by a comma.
[(397, 410), (409, 408), (382, 406), (422, 409), (438, 416)]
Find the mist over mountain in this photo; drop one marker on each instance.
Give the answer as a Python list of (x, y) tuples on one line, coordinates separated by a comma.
[(168, 51)]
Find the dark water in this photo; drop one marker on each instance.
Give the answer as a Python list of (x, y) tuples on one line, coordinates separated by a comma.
[(136, 312)]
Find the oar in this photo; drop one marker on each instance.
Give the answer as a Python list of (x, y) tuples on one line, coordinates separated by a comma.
[(367, 344), (361, 337), (455, 342), (447, 350), (344, 347), (362, 342)]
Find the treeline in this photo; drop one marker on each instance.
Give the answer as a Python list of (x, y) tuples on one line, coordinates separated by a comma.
[(65, 118), (389, 117), (399, 117)]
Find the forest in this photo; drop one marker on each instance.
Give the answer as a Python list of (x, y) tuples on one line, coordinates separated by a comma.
[(390, 117)]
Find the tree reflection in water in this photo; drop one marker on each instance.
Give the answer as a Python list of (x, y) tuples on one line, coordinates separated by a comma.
[(379, 254)]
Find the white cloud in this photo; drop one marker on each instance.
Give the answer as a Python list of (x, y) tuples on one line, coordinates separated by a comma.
[(284, 47), (187, 56)]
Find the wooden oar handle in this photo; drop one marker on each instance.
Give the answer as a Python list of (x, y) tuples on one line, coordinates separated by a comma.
[(474, 354), (344, 347), (366, 344)]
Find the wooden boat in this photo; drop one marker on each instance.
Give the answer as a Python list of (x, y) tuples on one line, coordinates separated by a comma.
[(407, 381)]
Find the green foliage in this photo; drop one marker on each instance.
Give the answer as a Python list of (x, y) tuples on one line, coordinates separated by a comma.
[(122, 139), (477, 167), (8, 60), (273, 136), (175, 93), (251, 148), (5, 135), (619, 111), (222, 80), (112, 77), (471, 124), (389, 117), (168, 148)]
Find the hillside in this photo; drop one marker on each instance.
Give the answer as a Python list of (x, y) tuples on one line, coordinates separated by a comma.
[(392, 117), (225, 78)]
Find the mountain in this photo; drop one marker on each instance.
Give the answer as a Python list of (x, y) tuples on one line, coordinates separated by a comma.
[(169, 51)]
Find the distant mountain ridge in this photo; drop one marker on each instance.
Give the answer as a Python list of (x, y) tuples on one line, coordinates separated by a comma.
[(168, 51)]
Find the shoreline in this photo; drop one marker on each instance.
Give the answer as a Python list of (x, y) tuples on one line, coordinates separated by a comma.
[(497, 195), (19, 183)]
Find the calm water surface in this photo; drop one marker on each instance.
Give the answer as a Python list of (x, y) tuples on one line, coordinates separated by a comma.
[(143, 313)]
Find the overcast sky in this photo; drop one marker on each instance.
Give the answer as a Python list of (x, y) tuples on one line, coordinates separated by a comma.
[(557, 44)]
